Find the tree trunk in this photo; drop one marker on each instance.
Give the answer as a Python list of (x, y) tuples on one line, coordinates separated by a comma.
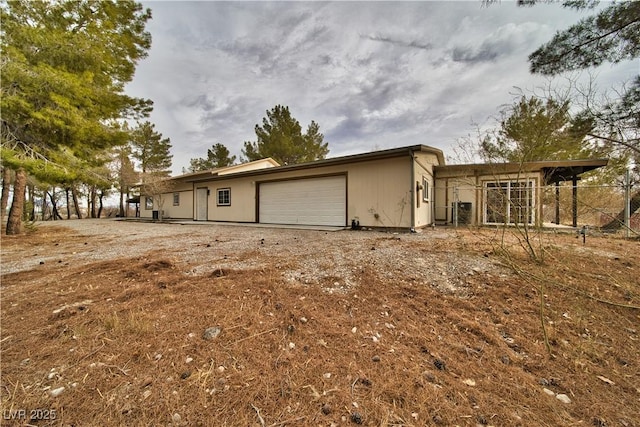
[(66, 193), (14, 223), (54, 203), (31, 192), (100, 196), (121, 212), (44, 205), (6, 183), (74, 196), (617, 222), (92, 198), (88, 202)]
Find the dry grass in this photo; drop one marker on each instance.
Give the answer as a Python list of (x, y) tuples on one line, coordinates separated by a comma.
[(126, 342)]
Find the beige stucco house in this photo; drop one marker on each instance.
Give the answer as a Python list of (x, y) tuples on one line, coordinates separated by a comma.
[(401, 188)]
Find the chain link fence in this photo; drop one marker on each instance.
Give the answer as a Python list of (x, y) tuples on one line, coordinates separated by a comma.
[(598, 207)]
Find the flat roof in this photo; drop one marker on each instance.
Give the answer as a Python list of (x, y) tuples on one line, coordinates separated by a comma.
[(554, 170)]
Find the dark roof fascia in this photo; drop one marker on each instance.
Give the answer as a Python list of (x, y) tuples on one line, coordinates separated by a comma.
[(189, 177), (354, 158), (559, 174), (574, 167)]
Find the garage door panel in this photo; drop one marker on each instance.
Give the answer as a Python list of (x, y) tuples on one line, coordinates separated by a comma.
[(309, 201)]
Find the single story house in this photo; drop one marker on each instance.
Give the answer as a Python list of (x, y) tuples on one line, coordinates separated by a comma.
[(400, 188)]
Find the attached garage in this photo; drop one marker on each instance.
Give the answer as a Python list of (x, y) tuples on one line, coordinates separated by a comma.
[(305, 201)]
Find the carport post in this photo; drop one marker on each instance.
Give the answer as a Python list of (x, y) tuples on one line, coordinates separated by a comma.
[(558, 202), (456, 206), (574, 181), (627, 203)]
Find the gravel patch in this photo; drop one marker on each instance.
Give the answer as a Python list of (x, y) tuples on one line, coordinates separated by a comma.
[(337, 261)]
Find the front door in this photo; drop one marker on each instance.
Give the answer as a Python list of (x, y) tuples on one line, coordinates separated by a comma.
[(201, 204)]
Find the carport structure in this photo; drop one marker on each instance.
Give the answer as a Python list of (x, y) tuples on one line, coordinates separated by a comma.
[(557, 172), (505, 193)]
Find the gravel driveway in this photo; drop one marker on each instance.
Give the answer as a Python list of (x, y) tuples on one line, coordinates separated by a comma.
[(337, 260)]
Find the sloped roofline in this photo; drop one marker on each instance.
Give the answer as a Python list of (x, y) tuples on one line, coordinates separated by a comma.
[(353, 158), (204, 175)]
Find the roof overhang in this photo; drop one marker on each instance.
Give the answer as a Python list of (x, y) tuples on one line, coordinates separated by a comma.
[(567, 172), (552, 170)]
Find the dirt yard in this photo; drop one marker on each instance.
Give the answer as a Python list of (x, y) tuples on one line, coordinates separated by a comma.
[(120, 323)]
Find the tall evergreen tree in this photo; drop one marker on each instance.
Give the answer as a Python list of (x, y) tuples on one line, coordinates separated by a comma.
[(151, 150), (218, 156), (65, 66), (126, 175), (610, 35), (280, 137)]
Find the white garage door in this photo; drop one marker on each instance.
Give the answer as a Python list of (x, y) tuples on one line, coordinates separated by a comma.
[(308, 201)]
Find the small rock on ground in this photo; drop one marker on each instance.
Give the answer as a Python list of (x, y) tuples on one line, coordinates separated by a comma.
[(211, 333)]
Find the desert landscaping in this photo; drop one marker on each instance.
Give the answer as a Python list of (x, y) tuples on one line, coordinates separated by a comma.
[(108, 322)]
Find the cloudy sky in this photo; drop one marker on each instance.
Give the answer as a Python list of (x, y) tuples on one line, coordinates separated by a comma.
[(373, 75)]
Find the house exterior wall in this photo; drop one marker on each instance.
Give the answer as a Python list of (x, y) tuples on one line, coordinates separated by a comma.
[(424, 184), (378, 191), (145, 212), (182, 211), (405, 187), (242, 197)]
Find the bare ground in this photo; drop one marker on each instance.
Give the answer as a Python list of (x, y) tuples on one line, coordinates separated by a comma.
[(103, 321)]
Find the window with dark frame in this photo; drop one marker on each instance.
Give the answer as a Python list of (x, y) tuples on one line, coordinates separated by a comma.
[(148, 203), (425, 189), (224, 197), (176, 199)]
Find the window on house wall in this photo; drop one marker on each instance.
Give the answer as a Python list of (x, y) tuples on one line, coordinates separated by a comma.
[(224, 197), (176, 199), (148, 203), (425, 189), (509, 202)]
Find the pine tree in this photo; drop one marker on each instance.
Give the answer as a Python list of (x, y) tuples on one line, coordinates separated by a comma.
[(280, 137), (126, 175), (151, 150), (612, 35), (218, 156), (65, 65)]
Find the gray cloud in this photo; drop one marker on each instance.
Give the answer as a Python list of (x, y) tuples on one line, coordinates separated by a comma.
[(507, 40), (396, 42), (468, 54), (372, 75)]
